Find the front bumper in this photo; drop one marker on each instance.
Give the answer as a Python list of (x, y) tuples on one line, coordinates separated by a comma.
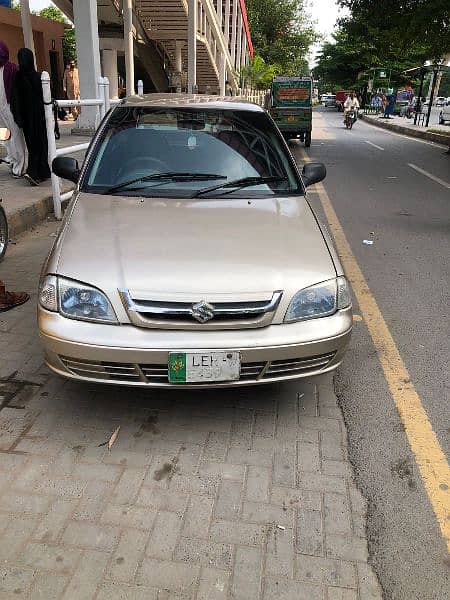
[(129, 355)]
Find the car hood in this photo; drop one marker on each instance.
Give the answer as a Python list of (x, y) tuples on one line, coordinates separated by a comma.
[(165, 248)]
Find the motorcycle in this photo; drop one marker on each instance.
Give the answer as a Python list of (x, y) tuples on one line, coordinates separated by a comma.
[(350, 118)]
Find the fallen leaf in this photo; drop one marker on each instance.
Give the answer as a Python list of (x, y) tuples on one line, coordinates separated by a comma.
[(357, 318), (113, 438)]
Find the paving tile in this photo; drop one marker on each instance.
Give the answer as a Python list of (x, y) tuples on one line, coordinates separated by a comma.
[(255, 512), (369, 588), (222, 470), (213, 584), (15, 580), (308, 457), (15, 535), (283, 589), (51, 558), (204, 552), (237, 532), (128, 516), (89, 535), (120, 591), (346, 547), (279, 552), (92, 503), (337, 514), (168, 575), (335, 593), (24, 503), (48, 586), (128, 486), (128, 555), (198, 517), (165, 535), (228, 502), (88, 574), (284, 466), (294, 497), (159, 499), (309, 532), (246, 580), (258, 484), (315, 569)]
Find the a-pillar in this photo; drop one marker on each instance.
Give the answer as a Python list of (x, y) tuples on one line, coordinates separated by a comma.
[(109, 59), (88, 58), (26, 26), (129, 45), (192, 46)]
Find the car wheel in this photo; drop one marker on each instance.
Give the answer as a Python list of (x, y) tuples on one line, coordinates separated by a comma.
[(307, 139)]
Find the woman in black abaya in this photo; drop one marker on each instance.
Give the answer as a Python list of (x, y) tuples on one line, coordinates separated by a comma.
[(27, 107)]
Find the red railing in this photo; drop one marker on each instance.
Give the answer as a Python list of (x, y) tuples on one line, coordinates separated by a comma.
[(247, 28)]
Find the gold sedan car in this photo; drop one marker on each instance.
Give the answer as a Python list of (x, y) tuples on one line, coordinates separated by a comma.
[(189, 255)]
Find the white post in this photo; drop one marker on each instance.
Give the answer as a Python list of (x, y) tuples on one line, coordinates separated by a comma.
[(239, 42), (192, 45), (219, 12), (233, 33), (88, 57), (179, 56), (110, 71), (222, 74), (140, 87), (129, 45), (101, 95), (26, 26), (107, 94), (227, 22), (50, 125)]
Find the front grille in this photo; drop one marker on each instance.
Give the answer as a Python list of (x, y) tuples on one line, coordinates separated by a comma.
[(181, 315), (157, 374)]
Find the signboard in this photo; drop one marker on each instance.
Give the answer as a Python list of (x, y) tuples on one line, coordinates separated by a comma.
[(382, 74), (292, 91), (6, 3)]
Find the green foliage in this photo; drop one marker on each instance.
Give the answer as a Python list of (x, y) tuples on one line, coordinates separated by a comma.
[(258, 75), (382, 35), (68, 41), (282, 33)]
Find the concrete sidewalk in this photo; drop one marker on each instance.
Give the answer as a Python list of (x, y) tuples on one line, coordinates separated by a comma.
[(25, 205), (406, 127)]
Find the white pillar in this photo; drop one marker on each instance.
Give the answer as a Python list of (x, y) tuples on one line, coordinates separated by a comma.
[(110, 71), (26, 26), (192, 45), (233, 33), (88, 57), (219, 12), (129, 43), (222, 74), (179, 56), (239, 42), (227, 21)]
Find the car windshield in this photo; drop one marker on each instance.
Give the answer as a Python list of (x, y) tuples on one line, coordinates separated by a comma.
[(179, 152)]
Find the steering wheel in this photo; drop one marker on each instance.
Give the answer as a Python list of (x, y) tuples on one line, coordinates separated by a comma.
[(141, 166)]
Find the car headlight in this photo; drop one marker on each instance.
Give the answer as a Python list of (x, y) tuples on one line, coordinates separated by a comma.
[(320, 300), (75, 300)]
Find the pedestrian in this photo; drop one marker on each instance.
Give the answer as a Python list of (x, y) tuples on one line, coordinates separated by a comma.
[(389, 106), (228, 89), (71, 85), (27, 107), (15, 146), (9, 300)]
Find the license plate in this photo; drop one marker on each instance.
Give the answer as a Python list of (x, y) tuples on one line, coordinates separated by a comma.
[(291, 118), (187, 367)]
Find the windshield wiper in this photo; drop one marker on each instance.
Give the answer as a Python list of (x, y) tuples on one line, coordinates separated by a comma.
[(170, 176), (240, 183)]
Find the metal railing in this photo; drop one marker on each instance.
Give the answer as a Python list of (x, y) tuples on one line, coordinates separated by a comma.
[(103, 102)]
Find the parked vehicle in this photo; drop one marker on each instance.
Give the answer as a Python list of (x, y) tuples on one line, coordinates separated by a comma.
[(190, 256), (441, 101), (329, 100), (290, 106), (444, 115), (341, 97), (350, 119)]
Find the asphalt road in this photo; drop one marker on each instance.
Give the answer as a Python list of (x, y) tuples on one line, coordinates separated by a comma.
[(378, 195)]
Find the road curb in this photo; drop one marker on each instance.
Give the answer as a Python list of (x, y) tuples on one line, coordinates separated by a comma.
[(26, 218), (424, 135)]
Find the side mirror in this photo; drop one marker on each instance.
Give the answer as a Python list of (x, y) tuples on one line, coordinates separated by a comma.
[(313, 173), (5, 134), (66, 167)]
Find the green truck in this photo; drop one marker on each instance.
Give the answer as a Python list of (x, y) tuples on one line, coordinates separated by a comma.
[(290, 106)]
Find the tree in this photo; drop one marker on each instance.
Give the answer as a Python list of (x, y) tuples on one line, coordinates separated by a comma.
[(282, 33), (68, 40), (367, 41), (258, 75)]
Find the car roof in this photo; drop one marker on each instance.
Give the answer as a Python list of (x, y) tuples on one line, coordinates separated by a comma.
[(191, 101)]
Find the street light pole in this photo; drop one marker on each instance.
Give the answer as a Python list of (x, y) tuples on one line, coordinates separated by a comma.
[(419, 99)]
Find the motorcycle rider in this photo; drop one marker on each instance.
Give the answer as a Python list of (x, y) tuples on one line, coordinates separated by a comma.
[(351, 103)]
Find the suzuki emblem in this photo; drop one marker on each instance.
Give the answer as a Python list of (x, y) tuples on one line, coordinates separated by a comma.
[(202, 311)]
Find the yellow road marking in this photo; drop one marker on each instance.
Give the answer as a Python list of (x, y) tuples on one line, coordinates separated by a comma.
[(430, 458)]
